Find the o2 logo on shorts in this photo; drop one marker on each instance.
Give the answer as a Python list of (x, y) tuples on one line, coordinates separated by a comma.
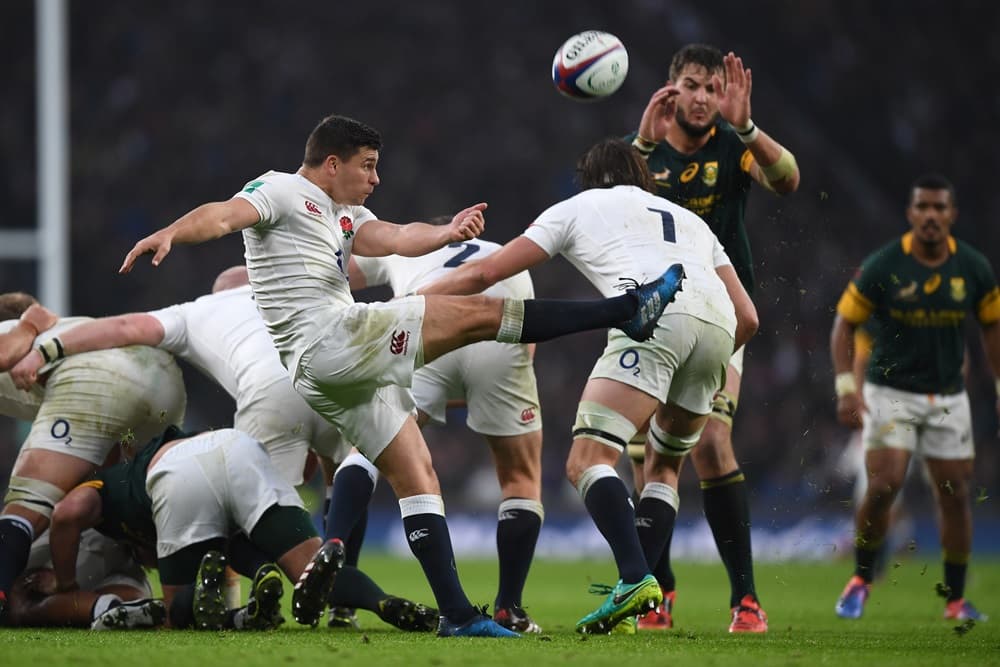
[(629, 360), (60, 431)]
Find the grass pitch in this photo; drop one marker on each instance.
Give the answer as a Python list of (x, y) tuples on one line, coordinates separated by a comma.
[(902, 626)]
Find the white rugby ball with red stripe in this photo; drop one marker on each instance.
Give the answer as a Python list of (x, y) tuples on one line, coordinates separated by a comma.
[(590, 65)]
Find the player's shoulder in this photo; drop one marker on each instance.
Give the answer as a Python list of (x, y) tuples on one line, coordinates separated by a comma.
[(891, 250), (964, 249), (270, 181)]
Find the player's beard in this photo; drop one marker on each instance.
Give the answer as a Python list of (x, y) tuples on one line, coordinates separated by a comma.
[(692, 130)]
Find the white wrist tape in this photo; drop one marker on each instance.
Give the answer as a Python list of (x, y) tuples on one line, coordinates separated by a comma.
[(747, 134), (845, 384)]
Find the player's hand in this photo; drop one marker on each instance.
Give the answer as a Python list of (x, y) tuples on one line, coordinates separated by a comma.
[(733, 94), (467, 223), (850, 408), (159, 244), (39, 317), (41, 582), (659, 114), (25, 372)]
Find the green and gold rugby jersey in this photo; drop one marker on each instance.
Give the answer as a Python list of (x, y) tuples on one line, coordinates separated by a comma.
[(919, 313), (126, 509), (713, 182)]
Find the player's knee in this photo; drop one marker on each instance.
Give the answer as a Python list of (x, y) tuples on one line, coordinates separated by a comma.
[(603, 425), (34, 495), (882, 490), (671, 445)]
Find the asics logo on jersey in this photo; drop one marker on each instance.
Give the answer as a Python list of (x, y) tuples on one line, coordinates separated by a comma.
[(313, 209), (347, 226), (399, 342), (418, 534), (528, 415)]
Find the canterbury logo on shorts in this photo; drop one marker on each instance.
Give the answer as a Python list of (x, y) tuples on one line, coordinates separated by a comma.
[(400, 341)]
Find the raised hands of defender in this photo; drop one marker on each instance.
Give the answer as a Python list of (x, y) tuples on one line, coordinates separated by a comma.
[(659, 114), (467, 223), (733, 94), (159, 244), (850, 407)]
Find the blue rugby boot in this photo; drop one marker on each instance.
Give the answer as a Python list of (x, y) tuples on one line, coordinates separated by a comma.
[(653, 298)]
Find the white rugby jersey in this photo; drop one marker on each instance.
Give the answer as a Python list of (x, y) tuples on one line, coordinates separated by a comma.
[(297, 257), (625, 232), (24, 404), (406, 274), (223, 336)]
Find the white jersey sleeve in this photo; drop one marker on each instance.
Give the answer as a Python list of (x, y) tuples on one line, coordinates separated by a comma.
[(719, 253), (223, 336), (174, 329)]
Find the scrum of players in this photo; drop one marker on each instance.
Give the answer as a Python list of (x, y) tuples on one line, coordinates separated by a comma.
[(106, 484)]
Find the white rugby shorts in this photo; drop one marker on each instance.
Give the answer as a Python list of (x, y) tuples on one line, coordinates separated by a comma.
[(684, 363), (496, 380), (95, 400), (209, 482), (935, 426)]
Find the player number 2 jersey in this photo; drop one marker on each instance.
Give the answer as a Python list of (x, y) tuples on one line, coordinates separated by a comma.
[(406, 274), (625, 232)]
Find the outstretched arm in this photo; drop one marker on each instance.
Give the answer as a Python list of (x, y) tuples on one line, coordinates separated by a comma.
[(775, 167), (78, 511), (207, 222), (378, 238), (474, 277), (102, 334)]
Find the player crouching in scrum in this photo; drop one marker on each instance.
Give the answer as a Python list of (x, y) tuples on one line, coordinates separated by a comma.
[(187, 491)]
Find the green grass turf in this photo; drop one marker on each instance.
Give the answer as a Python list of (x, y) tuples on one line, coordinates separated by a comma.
[(902, 626)]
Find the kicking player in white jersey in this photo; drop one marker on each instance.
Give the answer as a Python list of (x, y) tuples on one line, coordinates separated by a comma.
[(87, 405), (497, 384), (351, 360), (613, 227), (223, 335)]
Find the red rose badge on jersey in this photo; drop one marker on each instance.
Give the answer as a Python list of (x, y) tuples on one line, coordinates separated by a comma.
[(347, 226)]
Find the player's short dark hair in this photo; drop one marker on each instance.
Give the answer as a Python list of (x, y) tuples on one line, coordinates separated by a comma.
[(13, 304), (701, 55), (613, 162), (340, 136), (934, 182)]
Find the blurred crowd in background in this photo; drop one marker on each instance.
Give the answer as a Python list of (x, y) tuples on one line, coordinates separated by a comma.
[(174, 104)]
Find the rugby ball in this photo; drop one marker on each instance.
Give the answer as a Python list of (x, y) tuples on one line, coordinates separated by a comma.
[(590, 65)]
